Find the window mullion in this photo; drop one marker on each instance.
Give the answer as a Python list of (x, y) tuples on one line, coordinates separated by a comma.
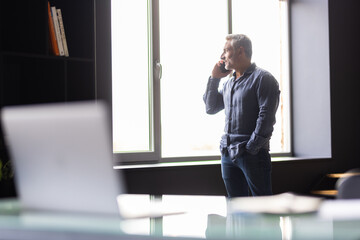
[(229, 16), (155, 41)]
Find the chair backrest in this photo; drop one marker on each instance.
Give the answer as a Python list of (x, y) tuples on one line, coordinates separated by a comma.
[(349, 187)]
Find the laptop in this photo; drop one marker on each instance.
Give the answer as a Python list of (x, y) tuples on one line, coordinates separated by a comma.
[(62, 157)]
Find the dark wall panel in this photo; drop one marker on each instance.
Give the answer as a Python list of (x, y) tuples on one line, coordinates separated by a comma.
[(344, 36)]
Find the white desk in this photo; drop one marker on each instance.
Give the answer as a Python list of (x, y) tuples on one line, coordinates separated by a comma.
[(205, 217)]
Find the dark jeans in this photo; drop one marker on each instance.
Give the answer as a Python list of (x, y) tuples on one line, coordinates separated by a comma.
[(247, 172)]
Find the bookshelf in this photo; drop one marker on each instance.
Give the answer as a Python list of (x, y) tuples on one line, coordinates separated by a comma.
[(29, 72)]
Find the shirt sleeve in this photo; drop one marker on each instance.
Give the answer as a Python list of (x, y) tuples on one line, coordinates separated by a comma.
[(268, 98), (213, 98)]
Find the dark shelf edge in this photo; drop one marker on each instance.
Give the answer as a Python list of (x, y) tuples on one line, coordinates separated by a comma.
[(43, 56)]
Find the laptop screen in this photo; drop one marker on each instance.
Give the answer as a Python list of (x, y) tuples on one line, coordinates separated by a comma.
[(62, 157)]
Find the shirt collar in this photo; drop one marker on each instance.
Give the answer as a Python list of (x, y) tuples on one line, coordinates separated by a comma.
[(248, 71)]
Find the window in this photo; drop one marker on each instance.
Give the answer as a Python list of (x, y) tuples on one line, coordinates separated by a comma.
[(162, 55), (130, 72), (268, 30), (189, 48)]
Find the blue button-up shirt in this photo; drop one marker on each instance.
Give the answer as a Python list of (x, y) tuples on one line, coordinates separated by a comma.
[(250, 104)]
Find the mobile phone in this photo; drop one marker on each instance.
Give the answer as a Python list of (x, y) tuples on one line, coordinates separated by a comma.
[(222, 67)]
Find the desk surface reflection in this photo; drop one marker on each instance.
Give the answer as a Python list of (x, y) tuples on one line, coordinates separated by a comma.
[(203, 217)]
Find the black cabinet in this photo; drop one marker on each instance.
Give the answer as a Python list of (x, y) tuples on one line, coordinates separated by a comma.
[(29, 72)]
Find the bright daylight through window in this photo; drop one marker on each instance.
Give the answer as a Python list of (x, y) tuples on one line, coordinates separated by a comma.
[(191, 35)]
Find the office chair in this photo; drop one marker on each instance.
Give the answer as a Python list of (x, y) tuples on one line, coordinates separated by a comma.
[(349, 186)]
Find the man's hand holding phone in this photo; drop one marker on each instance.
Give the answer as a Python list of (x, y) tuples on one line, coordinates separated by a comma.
[(219, 70)]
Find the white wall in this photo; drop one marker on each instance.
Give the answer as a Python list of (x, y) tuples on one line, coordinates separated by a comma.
[(311, 78)]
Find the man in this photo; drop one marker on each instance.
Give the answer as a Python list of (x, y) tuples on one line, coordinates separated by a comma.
[(250, 99)]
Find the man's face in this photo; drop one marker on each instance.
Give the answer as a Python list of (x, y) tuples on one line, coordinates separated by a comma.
[(229, 56)]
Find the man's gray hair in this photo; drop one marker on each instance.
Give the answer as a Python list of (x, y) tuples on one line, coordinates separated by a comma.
[(241, 40)]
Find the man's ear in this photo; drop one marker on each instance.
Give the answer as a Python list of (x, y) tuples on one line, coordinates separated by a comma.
[(240, 51)]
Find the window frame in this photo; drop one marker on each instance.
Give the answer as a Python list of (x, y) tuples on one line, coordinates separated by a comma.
[(150, 157)]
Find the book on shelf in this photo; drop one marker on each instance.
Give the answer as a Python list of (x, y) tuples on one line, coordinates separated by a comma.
[(57, 30), (52, 37), (62, 32)]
